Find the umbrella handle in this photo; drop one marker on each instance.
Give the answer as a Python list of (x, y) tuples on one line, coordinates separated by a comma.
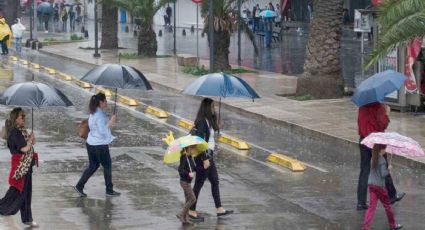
[(115, 101), (190, 168)]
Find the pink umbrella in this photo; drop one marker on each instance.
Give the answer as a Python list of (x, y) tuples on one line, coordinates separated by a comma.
[(396, 144)]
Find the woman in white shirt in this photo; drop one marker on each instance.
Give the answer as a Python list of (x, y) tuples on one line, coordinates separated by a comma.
[(97, 144)]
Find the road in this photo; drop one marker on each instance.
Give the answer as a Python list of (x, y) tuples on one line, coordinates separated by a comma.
[(264, 196)]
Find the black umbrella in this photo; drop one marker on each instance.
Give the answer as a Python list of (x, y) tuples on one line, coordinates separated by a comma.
[(117, 76), (33, 94)]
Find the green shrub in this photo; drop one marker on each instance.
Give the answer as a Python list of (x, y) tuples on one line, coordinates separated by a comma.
[(196, 71), (306, 97), (76, 37)]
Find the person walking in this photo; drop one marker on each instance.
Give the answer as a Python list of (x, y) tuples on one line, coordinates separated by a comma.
[(186, 172), (64, 18), (97, 145), (169, 12), (71, 14), (372, 118), (17, 31), (377, 191), (5, 36), (256, 16), (205, 127), (20, 144)]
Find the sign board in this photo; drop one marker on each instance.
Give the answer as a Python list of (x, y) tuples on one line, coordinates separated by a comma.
[(362, 22), (390, 61), (197, 1)]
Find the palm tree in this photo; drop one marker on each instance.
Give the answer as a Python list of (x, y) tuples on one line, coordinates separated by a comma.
[(223, 28), (147, 44), (399, 22), (322, 77), (109, 24)]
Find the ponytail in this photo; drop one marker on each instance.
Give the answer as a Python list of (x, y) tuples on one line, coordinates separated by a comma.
[(95, 101)]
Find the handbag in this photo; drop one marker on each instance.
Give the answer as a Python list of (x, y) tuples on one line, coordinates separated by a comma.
[(83, 129)]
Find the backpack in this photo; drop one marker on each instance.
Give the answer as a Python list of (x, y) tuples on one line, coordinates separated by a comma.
[(83, 129)]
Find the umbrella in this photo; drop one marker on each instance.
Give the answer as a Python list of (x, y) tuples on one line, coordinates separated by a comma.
[(375, 88), (44, 8), (33, 94), (174, 149), (396, 144), (220, 85), (268, 14), (117, 76)]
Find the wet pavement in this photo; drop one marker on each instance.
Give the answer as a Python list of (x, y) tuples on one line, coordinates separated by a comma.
[(284, 57), (263, 196)]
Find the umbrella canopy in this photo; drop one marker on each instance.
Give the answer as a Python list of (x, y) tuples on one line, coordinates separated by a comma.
[(174, 149), (268, 14), (45, 8), (117, 76), (375, 88), (33, 94), (396, 144), (220, 85)]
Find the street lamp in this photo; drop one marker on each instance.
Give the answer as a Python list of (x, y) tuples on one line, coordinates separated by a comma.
[(96, 38)]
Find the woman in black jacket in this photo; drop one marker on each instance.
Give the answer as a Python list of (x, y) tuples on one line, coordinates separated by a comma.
[(205, 127)]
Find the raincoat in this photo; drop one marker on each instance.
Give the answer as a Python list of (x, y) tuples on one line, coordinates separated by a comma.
[(4, 31)]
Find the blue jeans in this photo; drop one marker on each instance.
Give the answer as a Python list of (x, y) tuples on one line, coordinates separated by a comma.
[(18, 45)]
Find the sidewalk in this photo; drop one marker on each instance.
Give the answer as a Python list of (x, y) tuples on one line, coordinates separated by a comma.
[(330, 121)]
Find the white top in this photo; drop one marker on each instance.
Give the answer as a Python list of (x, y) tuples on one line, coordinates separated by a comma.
[(18, 30), (211, 140)]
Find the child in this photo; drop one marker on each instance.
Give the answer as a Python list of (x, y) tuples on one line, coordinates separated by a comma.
[(377, 190), (186, 175)]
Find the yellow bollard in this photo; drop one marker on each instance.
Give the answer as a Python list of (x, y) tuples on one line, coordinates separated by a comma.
[(235, 142), (157, 112), (287, 162)]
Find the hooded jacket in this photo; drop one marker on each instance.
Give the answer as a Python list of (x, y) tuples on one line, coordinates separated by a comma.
[(5, 31)]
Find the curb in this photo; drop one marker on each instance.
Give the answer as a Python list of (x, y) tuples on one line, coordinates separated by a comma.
[(291, 127)]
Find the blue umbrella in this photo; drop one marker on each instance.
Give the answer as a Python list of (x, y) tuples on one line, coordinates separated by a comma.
[(220, 85), (375, 88), (268, 14)]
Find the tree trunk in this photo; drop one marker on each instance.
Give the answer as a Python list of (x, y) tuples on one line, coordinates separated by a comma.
[(109, 27), (147, 44), (322, 77), (221, 51), (10, 10)]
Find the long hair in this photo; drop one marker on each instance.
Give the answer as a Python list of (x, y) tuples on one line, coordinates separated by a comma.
[(10, 123), (375, 154), (95, 101), (205, 112)]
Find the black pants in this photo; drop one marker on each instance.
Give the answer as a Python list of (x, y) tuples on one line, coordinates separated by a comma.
[(365, 158), (15, 201), (212, 175), (4, 49), (98, 154)]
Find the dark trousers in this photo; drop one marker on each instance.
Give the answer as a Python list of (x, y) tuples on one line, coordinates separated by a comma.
[(4, 49), (190, 198), (365, 158), (98, 154), (212, 175), (15, 201), (26, 212)]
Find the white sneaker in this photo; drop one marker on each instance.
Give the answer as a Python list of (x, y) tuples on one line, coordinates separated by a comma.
[(32, 224), (46, 31)]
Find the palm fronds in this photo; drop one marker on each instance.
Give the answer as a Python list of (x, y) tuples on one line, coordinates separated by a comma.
[(399, 21)]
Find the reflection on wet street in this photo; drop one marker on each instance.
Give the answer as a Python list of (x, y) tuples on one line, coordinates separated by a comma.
[(263, 196)]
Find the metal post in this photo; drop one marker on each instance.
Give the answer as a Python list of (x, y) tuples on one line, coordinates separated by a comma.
[(197, 35), (174, 30), (239, 32), (211, 34), (96, 30), (34, 13), (362, 54), (31, 18)]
